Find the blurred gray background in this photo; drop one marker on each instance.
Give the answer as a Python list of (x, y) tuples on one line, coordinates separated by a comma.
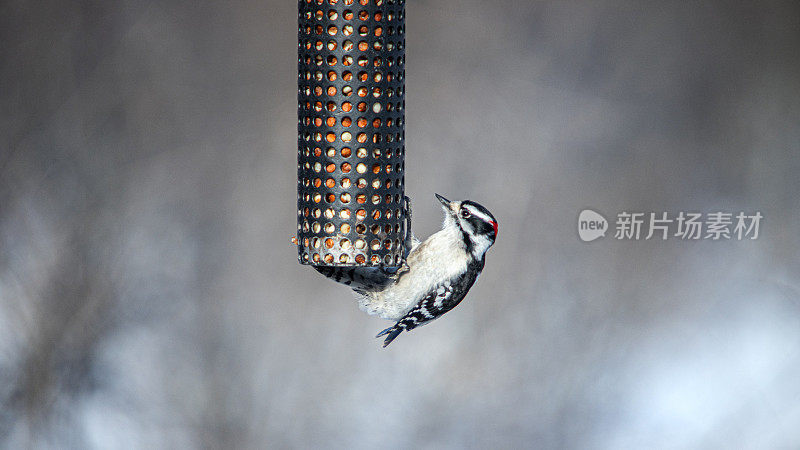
[(150, 297)]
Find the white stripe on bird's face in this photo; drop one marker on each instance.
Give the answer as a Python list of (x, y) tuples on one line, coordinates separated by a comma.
[(473, 220), (478, 225), (478, 213)]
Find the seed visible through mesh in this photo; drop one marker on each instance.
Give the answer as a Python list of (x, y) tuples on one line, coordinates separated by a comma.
[(350, 121)]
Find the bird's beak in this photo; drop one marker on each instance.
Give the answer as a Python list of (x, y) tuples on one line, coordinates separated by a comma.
[(449, 207)]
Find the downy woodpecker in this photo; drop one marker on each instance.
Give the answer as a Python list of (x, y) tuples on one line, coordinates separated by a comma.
[(437, 273)]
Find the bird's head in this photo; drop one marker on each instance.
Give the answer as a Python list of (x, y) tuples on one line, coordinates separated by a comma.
[(477, 225)]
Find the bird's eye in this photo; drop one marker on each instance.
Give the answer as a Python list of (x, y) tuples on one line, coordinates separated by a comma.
[(465, 214)]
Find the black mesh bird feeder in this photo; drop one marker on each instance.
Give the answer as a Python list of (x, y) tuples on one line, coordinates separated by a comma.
[(351, 132)]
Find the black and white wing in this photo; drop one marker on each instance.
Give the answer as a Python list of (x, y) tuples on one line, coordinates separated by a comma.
[(362, 279), (436, 303), (359, 278)]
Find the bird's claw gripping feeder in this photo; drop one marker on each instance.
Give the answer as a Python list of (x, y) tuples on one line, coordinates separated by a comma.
[(351, 207)]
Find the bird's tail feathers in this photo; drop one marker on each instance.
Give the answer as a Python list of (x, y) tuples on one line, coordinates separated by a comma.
[(392, 333)]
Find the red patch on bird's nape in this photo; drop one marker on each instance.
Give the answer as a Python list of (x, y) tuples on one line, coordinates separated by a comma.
[(494, 224)]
